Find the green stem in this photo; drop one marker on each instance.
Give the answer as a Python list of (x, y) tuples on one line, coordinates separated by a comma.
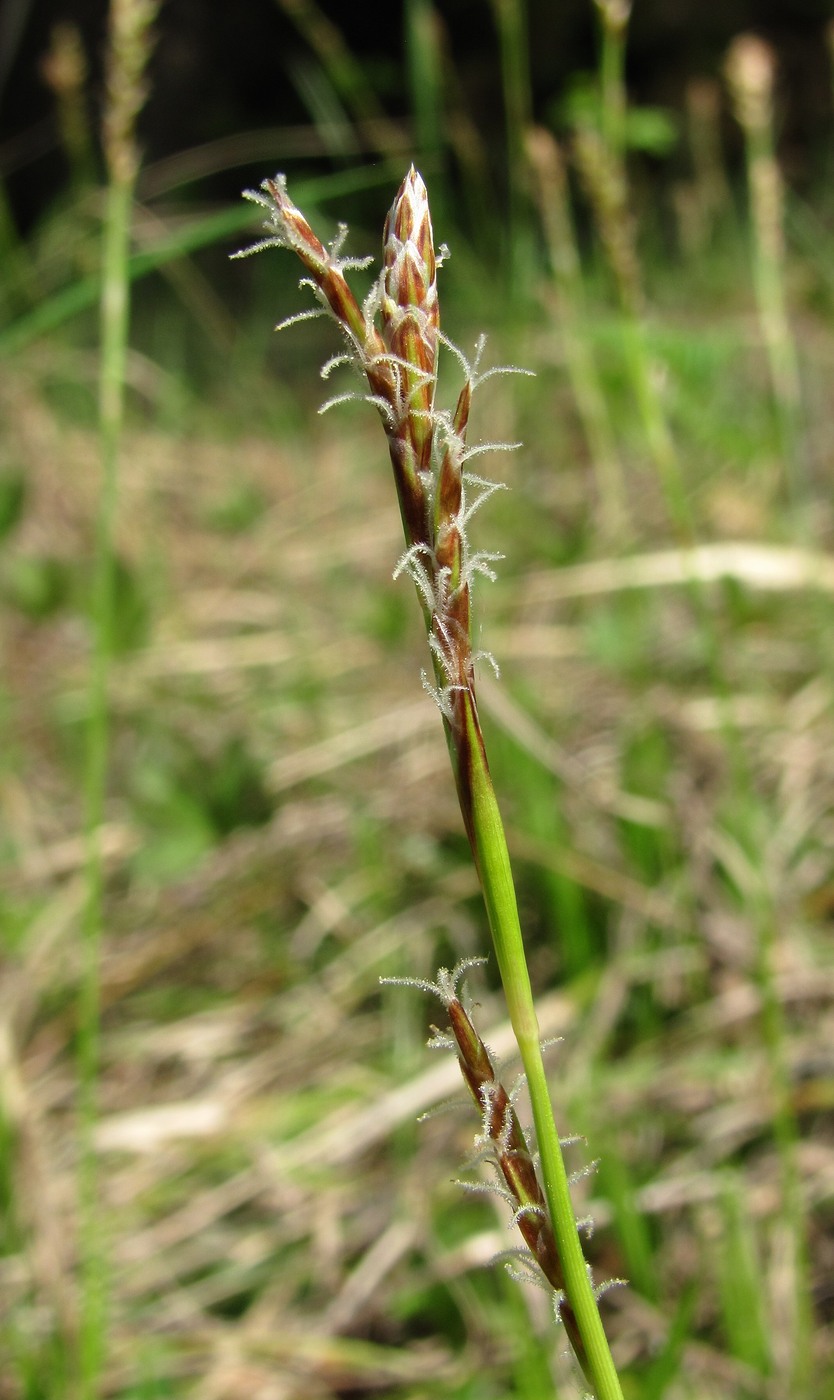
[(114, 329), (765, 187), (612, 80), (489, 847), (659, 439), (573, 319), (511, 22)]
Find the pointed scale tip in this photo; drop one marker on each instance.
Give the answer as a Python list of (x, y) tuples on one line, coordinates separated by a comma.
[(414, 182)]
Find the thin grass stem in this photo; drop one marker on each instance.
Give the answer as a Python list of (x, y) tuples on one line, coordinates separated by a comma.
[(614, 17), (751, 66), (114, 330), (571, 315), (128, 54), (511, 24), (482, 816)]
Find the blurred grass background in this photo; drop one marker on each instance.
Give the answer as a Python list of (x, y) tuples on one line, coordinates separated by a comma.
[(280, 828)]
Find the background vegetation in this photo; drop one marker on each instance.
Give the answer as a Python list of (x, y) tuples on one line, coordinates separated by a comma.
[(212, 1182)]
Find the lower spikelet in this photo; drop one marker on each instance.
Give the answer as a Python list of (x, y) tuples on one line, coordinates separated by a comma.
[(501, 1139)]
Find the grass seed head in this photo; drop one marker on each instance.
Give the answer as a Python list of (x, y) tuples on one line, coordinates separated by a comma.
[(409, 307), (393, 339), (750, 70)]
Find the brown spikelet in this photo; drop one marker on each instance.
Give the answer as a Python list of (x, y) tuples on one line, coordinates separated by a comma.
[(323, 269), (512, 1155), (409, 312), (427, 448)]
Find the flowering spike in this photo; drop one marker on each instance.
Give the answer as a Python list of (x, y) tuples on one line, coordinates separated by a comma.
[(409, 306), (427, 445)]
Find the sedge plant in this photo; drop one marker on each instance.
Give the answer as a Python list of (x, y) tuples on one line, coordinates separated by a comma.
[(393, 340), (751, 74), (130, 42), (599, 151), (550, 180)]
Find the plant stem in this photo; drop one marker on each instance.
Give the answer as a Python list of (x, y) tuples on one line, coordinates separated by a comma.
[(114, 324), (572, 315), (489, 847), (128, 52), (751, 73), (511, 22), (614, 16)]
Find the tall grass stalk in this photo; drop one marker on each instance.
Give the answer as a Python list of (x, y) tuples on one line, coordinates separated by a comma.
[(603, 175), (64, 69), (423, 53), (600, 159), (423, 42), (751, 75), (572, 318), (614, 16), (511, 24), (129, 49), (599, 152), (711, 193), (750, 69), (394, 341)]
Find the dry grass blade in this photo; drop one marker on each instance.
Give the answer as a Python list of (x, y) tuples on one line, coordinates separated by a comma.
[(771, 568)]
